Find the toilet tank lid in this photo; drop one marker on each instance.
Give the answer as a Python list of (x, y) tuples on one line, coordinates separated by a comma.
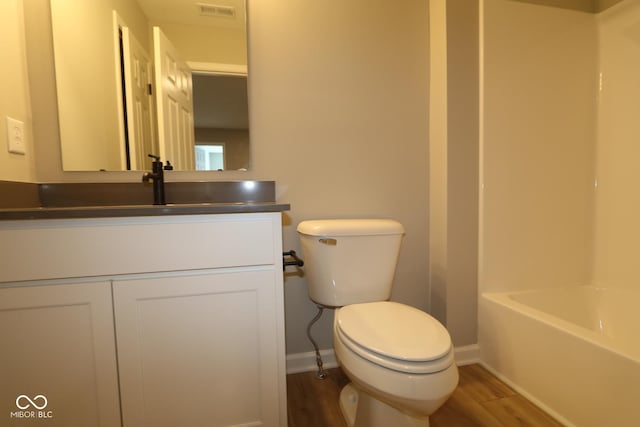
[(350, 227)]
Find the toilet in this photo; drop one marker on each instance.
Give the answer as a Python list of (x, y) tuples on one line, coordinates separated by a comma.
[(399, 359)]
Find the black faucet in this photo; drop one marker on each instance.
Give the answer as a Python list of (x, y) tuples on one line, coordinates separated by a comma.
[(157, 175)]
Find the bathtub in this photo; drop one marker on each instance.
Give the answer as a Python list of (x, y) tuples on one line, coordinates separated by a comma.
[(574, 351)]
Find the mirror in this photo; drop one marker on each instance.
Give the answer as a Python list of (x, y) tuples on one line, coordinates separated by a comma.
[(167, 77)]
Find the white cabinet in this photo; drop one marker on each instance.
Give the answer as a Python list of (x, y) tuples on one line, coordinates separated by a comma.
[(57, 357), (198, 350), (196, 303)]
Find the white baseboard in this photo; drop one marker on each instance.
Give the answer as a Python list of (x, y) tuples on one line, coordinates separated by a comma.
[(467, 354), (305, 362)]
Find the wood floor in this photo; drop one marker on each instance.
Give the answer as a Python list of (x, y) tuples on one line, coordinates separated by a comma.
[(480, 400)]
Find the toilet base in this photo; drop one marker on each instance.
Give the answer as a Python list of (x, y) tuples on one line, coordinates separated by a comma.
[(349, 403), (360, 409)]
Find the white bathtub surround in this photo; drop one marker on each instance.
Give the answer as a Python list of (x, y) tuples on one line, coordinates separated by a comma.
[(606, 317), (617, 206), (573, 351), (559, 206)]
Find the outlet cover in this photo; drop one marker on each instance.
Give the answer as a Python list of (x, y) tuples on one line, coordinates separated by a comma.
[(15, 136)]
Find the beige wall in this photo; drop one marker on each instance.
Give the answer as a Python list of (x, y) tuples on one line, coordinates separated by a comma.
[(617, 228), (208, 44), (463, 140), (453, 177), (438, 159), (538, 118), (340, 119), (14, 88)]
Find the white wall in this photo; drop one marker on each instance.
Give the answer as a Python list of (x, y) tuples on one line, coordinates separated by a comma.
[(14, 88), (538, 142), (617, 225)]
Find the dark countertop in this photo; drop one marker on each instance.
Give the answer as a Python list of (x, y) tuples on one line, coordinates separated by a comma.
[(139, 210), (107, 200)]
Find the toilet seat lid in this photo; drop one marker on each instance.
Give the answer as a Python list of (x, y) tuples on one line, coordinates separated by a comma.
[(395, 331)]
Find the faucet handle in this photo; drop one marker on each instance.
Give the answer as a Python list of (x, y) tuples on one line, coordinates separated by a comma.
[(156, 165)]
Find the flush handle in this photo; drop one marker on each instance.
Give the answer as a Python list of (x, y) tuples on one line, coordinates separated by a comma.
[(330, 242)]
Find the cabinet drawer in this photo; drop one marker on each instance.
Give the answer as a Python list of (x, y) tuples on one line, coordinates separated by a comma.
[(49, 249)]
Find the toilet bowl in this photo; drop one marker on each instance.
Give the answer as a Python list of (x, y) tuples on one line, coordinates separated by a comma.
[(400, 361)]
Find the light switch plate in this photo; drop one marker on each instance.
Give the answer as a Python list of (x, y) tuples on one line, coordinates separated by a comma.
[(15, 136)]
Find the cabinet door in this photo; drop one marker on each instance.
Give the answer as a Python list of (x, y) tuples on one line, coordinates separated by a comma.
[(57, 357), (199, 349)]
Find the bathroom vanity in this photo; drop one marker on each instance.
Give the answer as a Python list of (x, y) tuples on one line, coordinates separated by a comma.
[(149, 320)]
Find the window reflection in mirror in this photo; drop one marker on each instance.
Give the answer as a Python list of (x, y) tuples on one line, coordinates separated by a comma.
[(96, 110), (210, 157)]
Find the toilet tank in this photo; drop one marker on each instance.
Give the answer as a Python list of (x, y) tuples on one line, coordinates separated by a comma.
[(349, 261)]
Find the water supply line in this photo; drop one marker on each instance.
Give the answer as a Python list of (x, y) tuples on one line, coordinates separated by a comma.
[(321, 374), (290, 258)]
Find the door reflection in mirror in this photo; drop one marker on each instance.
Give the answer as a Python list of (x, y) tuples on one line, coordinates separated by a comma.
[(174, 103), (137, 103)]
